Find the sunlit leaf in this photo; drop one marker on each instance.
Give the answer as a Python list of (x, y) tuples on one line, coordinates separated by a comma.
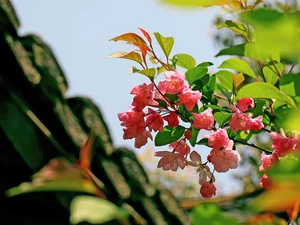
[(270, 73), (237, 27), (263, 90), (169, 135), (166, 43), (150, 73), (131, 38), (134, 56), (211, 214), (58, 175), (225, 78), (71, 185), (276, 32), (290, 84), (204, 3), (238, 65), (94, 210), (185, 61)]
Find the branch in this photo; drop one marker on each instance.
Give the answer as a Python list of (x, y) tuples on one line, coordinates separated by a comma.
[(254, 146)]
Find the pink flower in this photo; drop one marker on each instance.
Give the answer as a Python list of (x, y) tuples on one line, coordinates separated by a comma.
[(218, 139), (169, 74), (134, 123), (225, 159), (207, 190), (282, 145), (243, 121), (267, 161), (244, 103), (204, 120), (170, 161), (173, 85), (256, 123), (132, 117), (172, 119), (141, 138), (189, 98), (202, 169), (143, 96), (154, 121), (188, 134), (239, 121), (181, 147), (266, 182)]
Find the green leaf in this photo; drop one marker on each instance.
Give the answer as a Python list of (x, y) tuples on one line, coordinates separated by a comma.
[(134, 56), (195, 74), (166, 43), (205, 64), (162, 103), (193, 140), (238, 65), (94, 210), (212, 83), (172, 97), (275, 32), (160, 69), (209, 213), (238, 50), (290, 84), (269, 73), (243, 136), (185, 61), (263, 90), (287, 118), (236, 27), (150, 73), (222, 117), (72, 185), (225, 79), (203, 141), (169, 135)]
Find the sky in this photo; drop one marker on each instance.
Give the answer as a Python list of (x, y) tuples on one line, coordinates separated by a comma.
[(78, 31)]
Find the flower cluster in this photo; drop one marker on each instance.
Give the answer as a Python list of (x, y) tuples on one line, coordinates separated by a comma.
[(282, 146), (156, 106)]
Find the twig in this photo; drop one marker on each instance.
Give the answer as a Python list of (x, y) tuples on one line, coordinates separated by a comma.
[(254, 146)]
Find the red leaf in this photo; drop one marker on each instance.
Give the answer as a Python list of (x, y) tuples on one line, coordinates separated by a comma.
[(146, 34), (131, 38), (143, 50), (86, 152)]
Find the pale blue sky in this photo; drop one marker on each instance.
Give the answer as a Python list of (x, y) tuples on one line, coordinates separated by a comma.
[(78, 31)]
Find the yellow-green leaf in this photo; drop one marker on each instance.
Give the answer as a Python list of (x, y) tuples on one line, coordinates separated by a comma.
[(236, 27), (166, 43), (185, 61), (130, 37), (238, 65), (134, 56)]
